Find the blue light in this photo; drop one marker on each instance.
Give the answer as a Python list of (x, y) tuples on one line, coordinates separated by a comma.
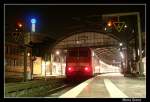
[(33, 21)]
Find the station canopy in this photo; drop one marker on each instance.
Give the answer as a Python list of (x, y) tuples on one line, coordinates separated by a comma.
[(62, 26)]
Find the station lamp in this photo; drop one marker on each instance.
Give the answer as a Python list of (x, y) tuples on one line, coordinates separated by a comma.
[(28, 53), (20, 25), (125, 26), (33, 22), (120, 44), (109, 24), (57, 52)]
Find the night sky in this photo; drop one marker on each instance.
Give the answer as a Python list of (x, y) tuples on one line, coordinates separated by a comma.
[(51, 18)]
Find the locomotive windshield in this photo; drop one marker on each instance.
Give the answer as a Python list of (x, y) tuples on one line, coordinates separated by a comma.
[(83, 53), (73, 54), (79, 53)]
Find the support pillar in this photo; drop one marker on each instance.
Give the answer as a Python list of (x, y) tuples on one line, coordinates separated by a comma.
[(136, 55), (31, 66), (45, 69), (31, 70), (51, 64), (141, 64), (128, 60), (25, 64)]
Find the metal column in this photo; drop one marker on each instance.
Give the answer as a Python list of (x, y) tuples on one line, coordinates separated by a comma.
[(141, 64), (45, 69), (25, 64)]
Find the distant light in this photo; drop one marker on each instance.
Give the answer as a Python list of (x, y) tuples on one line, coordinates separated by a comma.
[(78, 42), (120, 44), (57, 52), (132, 30), (48, 62), (28, 54), (125, 26), (20, 25), (105, 29), (16, 29), (109, 23), (33, 21)]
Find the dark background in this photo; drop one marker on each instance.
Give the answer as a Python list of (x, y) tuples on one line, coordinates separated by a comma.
[(51, 18)]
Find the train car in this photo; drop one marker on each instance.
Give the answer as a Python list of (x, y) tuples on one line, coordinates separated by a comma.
[(81, 63)]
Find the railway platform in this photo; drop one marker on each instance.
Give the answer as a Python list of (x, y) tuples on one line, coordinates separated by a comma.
[(111, 85)]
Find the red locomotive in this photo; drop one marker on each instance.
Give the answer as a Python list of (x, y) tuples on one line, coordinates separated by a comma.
[(81, 63)]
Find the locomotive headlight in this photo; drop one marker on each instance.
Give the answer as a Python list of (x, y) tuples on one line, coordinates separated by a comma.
[(69, 69), (86, 69)]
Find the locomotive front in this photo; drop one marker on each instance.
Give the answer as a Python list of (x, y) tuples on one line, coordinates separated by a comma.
[(79, 63)]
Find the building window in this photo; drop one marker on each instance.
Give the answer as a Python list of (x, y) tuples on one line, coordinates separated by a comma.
[(14, 62), (17, 51), (17, 62), (21, 62), (11, 51), (14, 49)]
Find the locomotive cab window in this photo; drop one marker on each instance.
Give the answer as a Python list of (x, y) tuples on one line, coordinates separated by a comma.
[(73, 53), (83, 53), (78, 53)]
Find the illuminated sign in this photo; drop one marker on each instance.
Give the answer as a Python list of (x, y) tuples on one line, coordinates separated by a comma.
[(119, 25)]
